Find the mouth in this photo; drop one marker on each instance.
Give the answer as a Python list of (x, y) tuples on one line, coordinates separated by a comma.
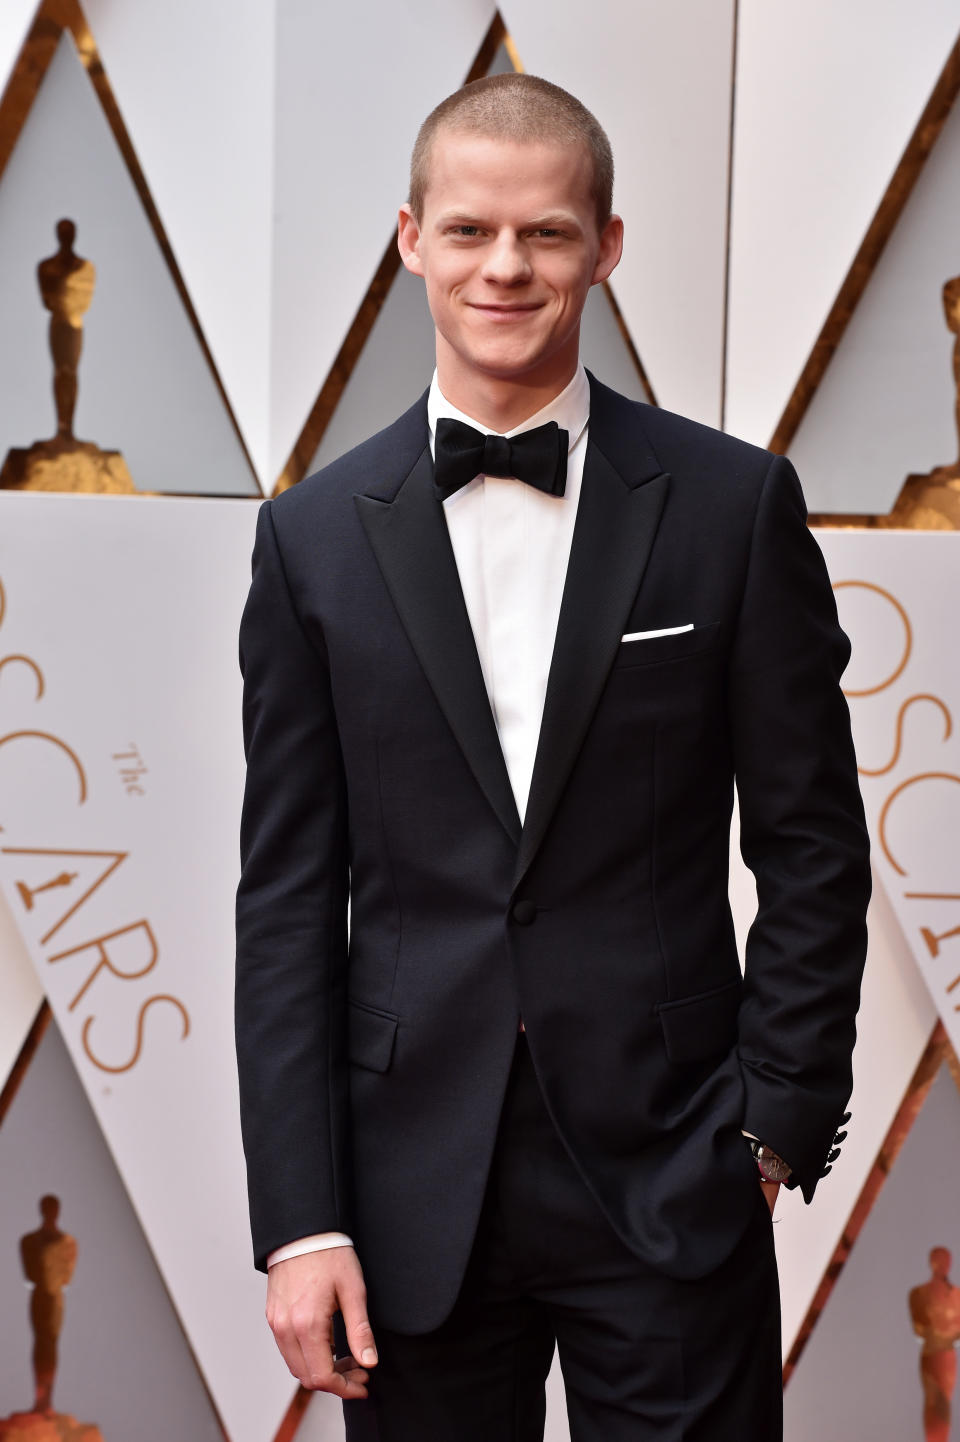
[(504, 313)]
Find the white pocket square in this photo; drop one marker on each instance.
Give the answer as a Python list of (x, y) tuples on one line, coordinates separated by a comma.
[(649, 635)]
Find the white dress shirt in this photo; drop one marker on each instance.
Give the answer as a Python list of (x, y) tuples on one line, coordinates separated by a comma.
[(511, 543)]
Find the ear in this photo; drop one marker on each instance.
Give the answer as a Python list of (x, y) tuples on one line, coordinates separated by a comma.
[(408, 240), (611, 249)]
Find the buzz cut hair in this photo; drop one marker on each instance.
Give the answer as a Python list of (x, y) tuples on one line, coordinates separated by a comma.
[(519, 107)]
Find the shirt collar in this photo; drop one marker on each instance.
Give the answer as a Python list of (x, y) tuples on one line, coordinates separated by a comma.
[(570, 409)]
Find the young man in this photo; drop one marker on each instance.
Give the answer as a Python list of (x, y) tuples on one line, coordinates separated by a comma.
[(502, 663)]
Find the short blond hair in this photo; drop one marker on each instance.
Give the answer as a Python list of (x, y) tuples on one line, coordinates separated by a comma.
[(517, 107)]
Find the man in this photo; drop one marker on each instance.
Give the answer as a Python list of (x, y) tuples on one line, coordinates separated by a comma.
[(502, 663)]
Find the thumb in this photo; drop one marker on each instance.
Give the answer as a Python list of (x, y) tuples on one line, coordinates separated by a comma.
[(353, 1305)]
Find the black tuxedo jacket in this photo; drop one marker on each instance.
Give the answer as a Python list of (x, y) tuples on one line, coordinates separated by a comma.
[(373, 1066)]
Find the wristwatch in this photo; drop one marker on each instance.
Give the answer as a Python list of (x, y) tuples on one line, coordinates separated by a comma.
[(771, 1167)]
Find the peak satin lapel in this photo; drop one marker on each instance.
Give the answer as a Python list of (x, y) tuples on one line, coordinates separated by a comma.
[(612, 538), (411, 542)]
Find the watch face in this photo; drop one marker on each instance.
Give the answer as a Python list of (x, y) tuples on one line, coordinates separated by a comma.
[(774, 1168)]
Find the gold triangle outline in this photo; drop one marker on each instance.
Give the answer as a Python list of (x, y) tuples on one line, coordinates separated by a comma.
[(338, 377), (25, 1056), (937, 1051), (51, 19), (892, 204)]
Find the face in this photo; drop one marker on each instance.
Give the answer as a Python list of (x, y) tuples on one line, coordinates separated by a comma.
[(940, 1261), (508, 246)]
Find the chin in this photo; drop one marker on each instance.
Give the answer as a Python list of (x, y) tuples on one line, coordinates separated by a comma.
[(507, 366)]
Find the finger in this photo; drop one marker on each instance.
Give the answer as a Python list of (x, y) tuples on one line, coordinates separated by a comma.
[(345, 1381), (353, 1305), (314, 1331), (350, 1366), (349, 1369), (360, 1377), (290, 1350)]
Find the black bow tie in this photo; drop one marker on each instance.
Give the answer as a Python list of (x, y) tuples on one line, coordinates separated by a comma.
[(538, 457)]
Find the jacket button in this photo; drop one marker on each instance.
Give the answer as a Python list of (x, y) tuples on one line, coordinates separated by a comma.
[(524, 911)]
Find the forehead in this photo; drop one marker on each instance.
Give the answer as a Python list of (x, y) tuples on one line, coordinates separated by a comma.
[(467, 170)]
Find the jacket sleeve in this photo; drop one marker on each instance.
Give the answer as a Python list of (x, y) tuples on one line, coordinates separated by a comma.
[(803, 836), (291, 917)]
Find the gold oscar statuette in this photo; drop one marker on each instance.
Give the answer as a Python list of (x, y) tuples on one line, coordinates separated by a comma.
[(935, 1314), (64, 463), (48, 1257)]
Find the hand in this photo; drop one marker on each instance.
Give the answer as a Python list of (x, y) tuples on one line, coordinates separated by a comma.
[(303, 1293), (771, 1190)]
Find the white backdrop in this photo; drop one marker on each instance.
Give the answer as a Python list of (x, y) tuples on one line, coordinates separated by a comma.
[(899, 597), (120, 788)]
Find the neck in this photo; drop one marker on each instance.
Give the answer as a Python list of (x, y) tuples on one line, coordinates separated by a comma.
[(498, 402)]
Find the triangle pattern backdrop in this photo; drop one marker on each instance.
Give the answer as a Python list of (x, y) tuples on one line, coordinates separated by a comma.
[(827, 96), (50, 1142), (859, 1375), (195, 83), (145, 386), (885, 406), (670, 286)]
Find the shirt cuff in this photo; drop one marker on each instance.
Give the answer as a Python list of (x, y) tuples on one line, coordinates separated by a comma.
[(319, 1242)]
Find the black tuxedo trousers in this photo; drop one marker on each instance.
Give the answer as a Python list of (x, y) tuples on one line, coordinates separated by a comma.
[(645, 1357), (374, 1064)]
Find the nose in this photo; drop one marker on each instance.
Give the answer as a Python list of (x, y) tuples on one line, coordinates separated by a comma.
[(505, 261)]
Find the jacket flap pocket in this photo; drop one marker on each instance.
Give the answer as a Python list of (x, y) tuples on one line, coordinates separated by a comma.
[(371, 1035), (695, 1027)]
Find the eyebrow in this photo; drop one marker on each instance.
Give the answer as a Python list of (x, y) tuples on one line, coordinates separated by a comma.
[(549, 222), (537, 222)]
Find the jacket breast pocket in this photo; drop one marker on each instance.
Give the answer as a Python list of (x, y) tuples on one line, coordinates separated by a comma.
[(701, 1026), (371, 1034), (645, 652)]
